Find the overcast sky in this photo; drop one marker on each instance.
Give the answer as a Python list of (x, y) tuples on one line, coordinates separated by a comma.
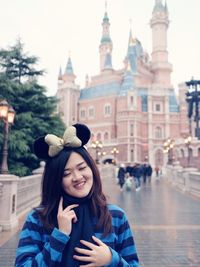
[(51, 28)]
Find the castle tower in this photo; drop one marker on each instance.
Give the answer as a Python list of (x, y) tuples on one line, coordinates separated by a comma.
[(159, 23), (106, 42), (68, 94)]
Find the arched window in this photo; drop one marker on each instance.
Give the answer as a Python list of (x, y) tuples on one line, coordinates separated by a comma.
[(182, 153), (99, 136), (106, 136)]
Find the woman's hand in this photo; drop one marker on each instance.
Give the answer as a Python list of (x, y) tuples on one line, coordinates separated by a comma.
[(95, 255), (65, 217)]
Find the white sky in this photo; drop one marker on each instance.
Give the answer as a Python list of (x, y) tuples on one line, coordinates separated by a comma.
[(51, 28)]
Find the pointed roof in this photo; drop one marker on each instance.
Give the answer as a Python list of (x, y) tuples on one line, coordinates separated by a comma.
[(127, 82), (133, 51), (69, 68), (106, 19), (159, 6), (60, 71), (106, 36)]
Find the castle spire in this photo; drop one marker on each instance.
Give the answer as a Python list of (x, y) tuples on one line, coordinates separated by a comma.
[(69, 68), (106, 42), (159, 24)]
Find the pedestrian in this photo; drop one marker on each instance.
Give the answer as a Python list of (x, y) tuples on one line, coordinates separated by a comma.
[(157, 170), (149, 171), (121, 175), (73, 225), (144, 172), (137, 174)]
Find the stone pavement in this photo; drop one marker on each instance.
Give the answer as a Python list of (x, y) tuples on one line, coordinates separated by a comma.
[(165, 222)]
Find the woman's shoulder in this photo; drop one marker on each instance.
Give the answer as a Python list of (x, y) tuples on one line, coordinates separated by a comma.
[(33, 216), (116, 211)]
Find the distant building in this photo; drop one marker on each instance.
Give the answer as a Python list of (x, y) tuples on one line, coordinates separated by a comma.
[(134, 109)]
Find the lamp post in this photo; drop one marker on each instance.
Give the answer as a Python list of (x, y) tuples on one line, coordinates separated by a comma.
[(97, 145), (193, 99), (168, 148), (7, 115), (114, 151), (188, 141)]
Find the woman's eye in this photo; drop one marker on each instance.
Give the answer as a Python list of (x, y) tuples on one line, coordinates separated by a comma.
[(66, 173), (82, 168)]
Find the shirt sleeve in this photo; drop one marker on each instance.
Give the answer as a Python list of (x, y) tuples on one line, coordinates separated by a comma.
[(33, 250), (124, 254)]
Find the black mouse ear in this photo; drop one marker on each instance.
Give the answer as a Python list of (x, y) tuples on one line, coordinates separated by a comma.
[(41, 148), (82, 132)]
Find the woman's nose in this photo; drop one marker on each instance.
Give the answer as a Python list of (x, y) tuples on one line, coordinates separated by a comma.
[(77, 175)]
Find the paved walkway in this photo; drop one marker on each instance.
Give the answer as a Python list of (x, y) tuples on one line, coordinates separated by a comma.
[(166, 224)]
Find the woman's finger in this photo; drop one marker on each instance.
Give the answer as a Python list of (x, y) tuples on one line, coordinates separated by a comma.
[(60, 207), (83, 251), (88, 244), (97, 240), (70, 207)]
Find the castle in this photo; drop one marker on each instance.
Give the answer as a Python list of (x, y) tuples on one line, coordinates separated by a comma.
[(132, 110)]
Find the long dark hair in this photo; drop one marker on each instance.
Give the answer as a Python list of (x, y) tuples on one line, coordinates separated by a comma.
[(52, 190)]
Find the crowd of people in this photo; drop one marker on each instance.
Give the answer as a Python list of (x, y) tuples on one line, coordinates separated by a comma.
[(135, 173)]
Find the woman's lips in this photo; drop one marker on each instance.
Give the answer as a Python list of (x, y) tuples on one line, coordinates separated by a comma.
[(80, 185)]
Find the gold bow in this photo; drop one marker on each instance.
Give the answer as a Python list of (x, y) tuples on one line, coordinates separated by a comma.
[(57, 144)]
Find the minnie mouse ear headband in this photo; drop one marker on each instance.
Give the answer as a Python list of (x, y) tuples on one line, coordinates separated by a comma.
[(50, 145)]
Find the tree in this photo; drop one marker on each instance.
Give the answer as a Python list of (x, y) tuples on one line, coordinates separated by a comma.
[(17, 64), (35, 112)]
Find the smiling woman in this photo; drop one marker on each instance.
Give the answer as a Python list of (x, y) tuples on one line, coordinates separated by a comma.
[(74, 225)]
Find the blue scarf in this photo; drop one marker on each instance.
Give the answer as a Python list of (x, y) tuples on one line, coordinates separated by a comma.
[(82, 229)]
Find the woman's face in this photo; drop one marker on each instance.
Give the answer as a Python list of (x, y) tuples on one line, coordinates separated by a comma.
[(78, 178)]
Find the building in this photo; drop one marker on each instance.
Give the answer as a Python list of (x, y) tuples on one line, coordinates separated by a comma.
[(133, 109)]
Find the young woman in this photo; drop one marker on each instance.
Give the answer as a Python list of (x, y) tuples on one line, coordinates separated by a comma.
[(73, 225)]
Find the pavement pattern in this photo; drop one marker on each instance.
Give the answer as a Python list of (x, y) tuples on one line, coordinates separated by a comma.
[(165, 223)]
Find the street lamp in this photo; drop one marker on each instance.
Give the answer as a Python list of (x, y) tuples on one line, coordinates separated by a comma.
[(97, 145), (114, 151), (193, 97), (7, 115), (188, 141), (168, 148)]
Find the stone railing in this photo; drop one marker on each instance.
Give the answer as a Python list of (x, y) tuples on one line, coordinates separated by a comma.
[(185, 179), (17, 195), (28, 192)]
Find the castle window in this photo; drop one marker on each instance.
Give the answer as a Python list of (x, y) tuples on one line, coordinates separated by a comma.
[(158, 132), (158, 107), (131, 100), (107, 110), (91, 112), (131, 130), (82, 113)]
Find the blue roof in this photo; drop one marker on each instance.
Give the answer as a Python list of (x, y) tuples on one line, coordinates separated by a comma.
[(69, 68), (100, 91), (127, 83)]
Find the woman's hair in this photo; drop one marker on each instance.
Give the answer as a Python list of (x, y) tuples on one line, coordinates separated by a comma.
[(52, 190)]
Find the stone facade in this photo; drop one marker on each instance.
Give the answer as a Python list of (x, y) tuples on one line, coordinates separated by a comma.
[(134, 109)]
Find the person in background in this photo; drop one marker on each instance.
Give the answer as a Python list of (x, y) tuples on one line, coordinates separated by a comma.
[(137, 174), (157, 170), (149, 171), (121, 176), (73, 225)]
